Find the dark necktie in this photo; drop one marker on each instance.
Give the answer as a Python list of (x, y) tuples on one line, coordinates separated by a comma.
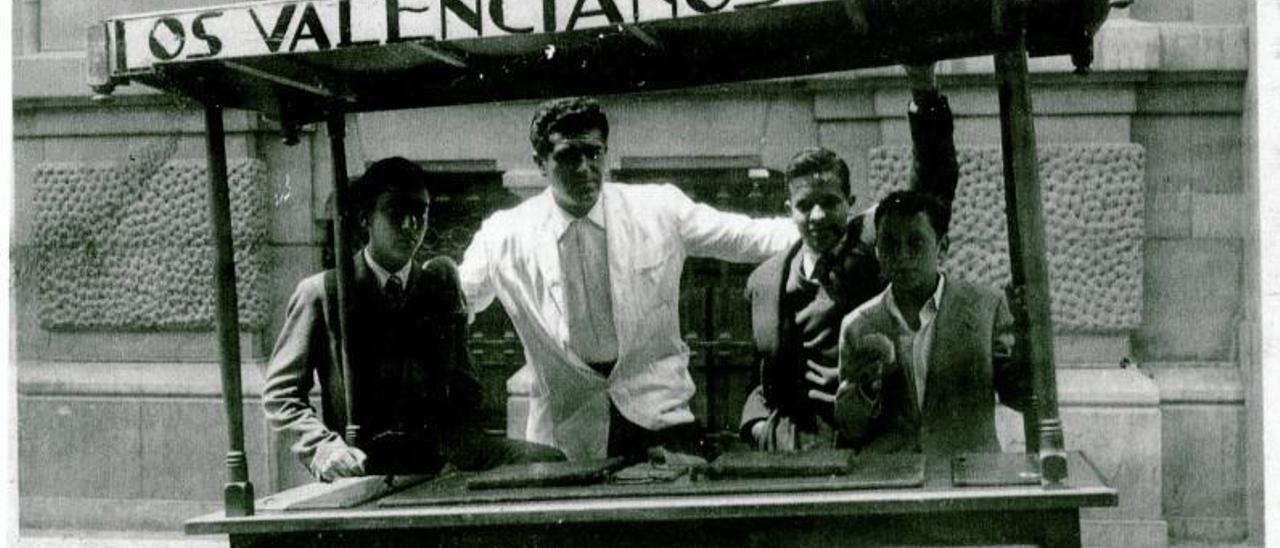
[(822, 269), (394, 291)]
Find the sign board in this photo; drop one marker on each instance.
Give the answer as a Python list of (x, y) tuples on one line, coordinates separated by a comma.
[(274, 27)]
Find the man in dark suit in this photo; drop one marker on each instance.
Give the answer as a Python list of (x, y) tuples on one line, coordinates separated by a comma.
[(945, 346), (798, 297), (419, 403)]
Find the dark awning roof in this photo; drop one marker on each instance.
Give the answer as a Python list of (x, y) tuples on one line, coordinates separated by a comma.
[(297, 59)]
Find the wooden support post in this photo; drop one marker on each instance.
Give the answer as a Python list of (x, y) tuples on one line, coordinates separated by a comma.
[(238, 492), (1027, 250), (1017, 295), (711, 352), (343, 256)]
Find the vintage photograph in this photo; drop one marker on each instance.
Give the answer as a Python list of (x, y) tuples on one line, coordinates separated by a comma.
[(382, 273)]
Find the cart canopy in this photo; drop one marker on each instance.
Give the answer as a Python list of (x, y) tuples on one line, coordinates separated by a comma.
[(295, 60)]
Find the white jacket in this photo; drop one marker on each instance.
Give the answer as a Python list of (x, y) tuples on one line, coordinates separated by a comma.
[(650, 230)]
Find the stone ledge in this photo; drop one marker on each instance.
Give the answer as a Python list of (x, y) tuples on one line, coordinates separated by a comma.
[(58, 74), (1083, 97), (131, 379), (111, 514), (1122, 45), (1124, 533), (136, 115), (1209, 530), (1198, 385), (1106, 388), (134, 346), (105, 538), (1085, 350)]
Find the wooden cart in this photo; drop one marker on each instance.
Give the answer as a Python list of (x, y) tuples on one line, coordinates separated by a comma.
[(315, 61)]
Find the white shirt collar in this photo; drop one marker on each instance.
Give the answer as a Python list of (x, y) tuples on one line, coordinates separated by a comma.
[(927, 312), (808, 262), (382, 273), (560, 219)]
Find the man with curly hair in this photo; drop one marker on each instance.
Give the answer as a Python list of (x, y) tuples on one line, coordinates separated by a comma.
[(589, 272)]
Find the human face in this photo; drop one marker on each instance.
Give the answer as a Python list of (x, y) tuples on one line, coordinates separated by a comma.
[(820, 210), (909, 251), (575, 169), (396, 227)]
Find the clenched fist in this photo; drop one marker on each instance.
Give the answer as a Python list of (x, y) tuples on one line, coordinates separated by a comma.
[(339, 461)]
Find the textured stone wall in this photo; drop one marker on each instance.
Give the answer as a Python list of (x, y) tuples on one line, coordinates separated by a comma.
[(1093, 210), (125, 245)]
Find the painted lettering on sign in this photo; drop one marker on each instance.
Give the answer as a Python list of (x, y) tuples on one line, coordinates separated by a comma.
[(318, 25), (167, 38)]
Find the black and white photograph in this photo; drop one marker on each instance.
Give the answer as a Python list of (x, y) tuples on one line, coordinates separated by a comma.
[(632, 273)]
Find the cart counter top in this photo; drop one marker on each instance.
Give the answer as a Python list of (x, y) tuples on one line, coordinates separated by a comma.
[(438, 505)]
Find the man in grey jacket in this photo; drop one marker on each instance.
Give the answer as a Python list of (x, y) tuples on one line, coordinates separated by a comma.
[(419, 403)]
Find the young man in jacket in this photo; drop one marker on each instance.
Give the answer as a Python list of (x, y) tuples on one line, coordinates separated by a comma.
[(921, 363), (418, 401)]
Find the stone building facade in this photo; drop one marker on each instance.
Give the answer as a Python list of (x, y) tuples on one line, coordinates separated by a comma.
[(120, 415)]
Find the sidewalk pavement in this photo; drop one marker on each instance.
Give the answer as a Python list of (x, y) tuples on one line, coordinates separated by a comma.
[(53, 538)]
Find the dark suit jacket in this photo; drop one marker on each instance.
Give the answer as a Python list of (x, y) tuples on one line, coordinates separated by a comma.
[(970, 362), (854, 276), (413, 367)]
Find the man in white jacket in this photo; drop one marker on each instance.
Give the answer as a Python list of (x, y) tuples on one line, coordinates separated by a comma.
[(589, 272)]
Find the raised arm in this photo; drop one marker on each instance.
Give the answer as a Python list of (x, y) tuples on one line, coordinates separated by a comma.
[(1012, 378), (934, 166)]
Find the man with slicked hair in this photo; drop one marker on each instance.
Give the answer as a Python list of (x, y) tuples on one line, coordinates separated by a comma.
[(589, 272), (418, 399)]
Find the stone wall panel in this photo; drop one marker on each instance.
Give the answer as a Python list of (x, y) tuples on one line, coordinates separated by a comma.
[(1202, 153), (125, 245), (1193, 300), (1093, 212), (1204, 472)]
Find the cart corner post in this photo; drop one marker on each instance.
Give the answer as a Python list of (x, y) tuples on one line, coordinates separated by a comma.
[(238, 491), (1027, 244), (345, 270)]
